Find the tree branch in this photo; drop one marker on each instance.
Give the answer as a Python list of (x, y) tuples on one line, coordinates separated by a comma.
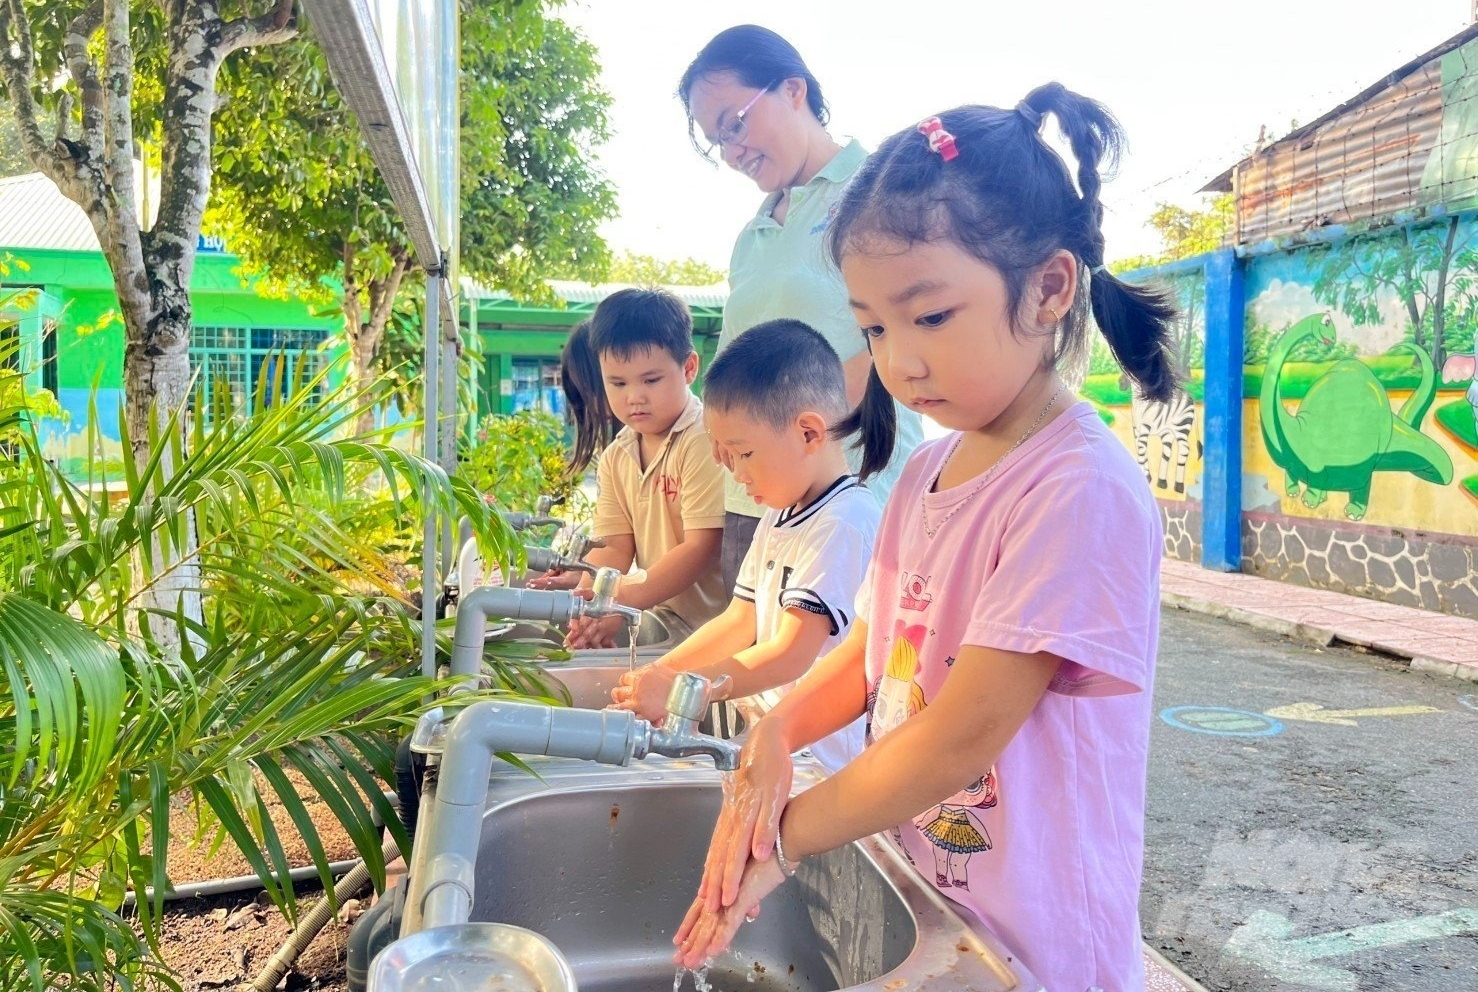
[(17, 63), (380, 314), (353, 312), (117, 121), (277, 25), (84, 73)]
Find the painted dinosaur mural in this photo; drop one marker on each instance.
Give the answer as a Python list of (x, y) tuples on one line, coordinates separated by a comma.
[(1344, 431)]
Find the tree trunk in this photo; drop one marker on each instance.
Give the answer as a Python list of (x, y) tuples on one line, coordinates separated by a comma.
[(151, 269), (366, 332), (1439, 305)]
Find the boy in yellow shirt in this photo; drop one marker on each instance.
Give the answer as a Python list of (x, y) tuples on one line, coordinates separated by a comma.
[(660, 504)]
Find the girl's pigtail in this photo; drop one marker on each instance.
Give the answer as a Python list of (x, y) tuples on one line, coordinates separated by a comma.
[(876, 420), (1135, 320), (585, 400)]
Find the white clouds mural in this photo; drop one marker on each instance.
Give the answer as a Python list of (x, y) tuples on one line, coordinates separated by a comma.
[(1284, 302)]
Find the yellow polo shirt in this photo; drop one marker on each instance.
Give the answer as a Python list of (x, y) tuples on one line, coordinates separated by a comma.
[(785, 270), (681, 488)]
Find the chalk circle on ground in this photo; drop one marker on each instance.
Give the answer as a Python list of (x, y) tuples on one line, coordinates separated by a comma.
[(1221, 721)]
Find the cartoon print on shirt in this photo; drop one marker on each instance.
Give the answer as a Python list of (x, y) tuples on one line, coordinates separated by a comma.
[(916, 595), (958, 834), (896, 696)]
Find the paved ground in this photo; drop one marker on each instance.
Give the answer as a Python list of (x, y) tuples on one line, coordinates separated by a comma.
[(1313, 814), (1431, 641)]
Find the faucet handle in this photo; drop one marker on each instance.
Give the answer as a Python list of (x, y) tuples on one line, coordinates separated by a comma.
[(604, 587), (544, 505), (691, 693)]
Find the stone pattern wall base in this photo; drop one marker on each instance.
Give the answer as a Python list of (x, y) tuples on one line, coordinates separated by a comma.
[(1363, 561), (1182, 522)]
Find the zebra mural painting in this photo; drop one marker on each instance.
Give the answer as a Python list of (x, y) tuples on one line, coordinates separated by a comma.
[(1170, 421)]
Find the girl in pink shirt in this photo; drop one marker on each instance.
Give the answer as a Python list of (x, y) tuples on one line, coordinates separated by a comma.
[(1007, 628)]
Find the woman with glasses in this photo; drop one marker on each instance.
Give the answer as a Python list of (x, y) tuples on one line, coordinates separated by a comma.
[(752, 103)]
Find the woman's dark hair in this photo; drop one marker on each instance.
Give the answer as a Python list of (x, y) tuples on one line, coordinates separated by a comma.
[(1009, 200), (760, 58), (585, 399)]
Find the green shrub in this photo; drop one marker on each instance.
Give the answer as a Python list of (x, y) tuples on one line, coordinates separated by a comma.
[(517, 458)]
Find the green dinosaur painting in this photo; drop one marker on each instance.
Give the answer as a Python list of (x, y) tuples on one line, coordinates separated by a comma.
[(1344, 431)]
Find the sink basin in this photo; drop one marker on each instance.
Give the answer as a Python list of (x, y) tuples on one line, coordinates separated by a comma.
[(653, 639), (605, 862)]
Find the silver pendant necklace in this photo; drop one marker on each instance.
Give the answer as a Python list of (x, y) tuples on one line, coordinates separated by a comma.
[(985, 479)]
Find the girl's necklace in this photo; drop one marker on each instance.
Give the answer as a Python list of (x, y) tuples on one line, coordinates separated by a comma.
[(985, 479)]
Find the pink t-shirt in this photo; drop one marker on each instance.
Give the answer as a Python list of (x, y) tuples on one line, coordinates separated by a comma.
[(1060, 552)]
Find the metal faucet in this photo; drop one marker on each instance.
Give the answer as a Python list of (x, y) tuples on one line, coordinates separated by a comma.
[(566, 553), (539, 518), (542, 605), (442, 894), (575, 543), (548, 560), (687, 702), (602, 602)]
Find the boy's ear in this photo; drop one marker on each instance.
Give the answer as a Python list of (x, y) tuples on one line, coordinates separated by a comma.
[(812, 427), (690, 367)]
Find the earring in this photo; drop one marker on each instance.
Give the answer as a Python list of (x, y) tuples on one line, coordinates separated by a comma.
[(1056, 317)]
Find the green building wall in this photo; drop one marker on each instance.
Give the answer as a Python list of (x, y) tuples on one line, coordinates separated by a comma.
[(72, 338), (514, 335)]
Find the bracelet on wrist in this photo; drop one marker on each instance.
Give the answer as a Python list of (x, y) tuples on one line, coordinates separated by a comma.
[(787, 868)]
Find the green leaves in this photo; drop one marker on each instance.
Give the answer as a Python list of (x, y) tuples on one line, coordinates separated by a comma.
[(301, 675)]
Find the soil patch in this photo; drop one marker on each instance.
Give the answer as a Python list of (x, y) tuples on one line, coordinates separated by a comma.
[(223, 942), (193, 862)]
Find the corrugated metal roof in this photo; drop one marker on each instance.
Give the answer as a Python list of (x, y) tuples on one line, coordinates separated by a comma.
[(583, 292), (1398, 145), (35, 214)]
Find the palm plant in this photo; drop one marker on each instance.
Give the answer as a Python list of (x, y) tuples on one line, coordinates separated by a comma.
[(288, 672)]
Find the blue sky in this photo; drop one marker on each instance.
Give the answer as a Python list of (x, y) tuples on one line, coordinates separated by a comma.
[(1191, 82)]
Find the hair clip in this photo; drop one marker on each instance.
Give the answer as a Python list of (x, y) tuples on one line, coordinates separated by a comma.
[(939, 139), (1030, 114)]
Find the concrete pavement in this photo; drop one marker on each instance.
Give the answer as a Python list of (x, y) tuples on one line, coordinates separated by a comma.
[(1434, 642)]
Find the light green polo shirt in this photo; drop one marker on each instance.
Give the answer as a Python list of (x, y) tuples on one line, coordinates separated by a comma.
[(785, 270)]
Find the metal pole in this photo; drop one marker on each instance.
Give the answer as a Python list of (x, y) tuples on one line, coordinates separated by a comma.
[(449, 431), (431, 380)]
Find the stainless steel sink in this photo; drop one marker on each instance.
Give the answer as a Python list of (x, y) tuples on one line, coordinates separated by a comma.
[(605, 861), (653, 639)]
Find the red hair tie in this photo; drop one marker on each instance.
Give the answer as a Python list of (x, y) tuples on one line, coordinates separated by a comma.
[(939, 139)]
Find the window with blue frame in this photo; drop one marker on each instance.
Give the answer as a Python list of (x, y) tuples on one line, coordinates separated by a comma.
[(536, 386), (239, 358)]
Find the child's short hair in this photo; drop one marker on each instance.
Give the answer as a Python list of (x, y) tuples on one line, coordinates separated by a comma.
[(632, 320), (776, 370)]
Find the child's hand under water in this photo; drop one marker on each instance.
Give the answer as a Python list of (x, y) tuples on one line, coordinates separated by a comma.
[(555, 580), (750, 817), (644, 691), (593, 632), (741, 869), (706, 933)]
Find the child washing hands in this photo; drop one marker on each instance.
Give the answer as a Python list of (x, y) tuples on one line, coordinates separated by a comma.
[(1006, 635), (770, 400)]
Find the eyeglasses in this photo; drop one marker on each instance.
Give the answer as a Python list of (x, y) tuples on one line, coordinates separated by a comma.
[(733, 131)]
